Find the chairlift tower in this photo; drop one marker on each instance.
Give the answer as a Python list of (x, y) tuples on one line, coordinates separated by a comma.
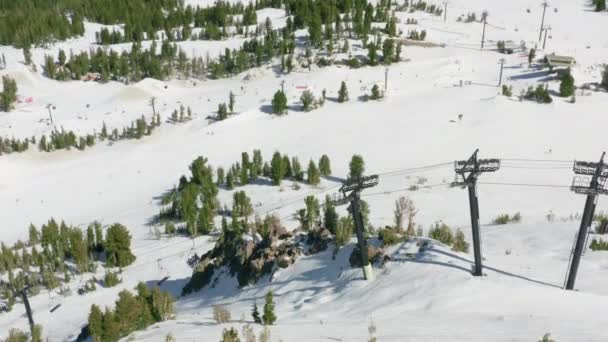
[(350, 192), (22, 293), (467, 172), (545, 4), (485, 22), (590, 180)]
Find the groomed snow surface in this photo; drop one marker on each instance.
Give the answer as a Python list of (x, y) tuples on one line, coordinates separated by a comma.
[(426, 296)]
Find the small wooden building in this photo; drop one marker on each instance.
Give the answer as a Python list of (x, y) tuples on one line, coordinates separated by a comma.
[(556, 61)]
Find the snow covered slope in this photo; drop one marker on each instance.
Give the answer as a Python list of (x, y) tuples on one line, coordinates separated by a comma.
[(428, 298)]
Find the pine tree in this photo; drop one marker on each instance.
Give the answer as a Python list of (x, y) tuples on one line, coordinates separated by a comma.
[(343, 93), (531, 56), (96, 323), (357, 167), (330, 216), (324, 166), (600, 5), (34, 235), (279, 103), (269, 316), (388, 51), (277, 169), (313, 174), (566, 87), (255, 313), (372, 54), (118, 246), (9, 93), (297, 169)]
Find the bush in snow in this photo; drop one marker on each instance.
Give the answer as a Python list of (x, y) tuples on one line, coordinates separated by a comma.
[(546, 338), (308, 101), (230, 335), (599, 245), (265, 335), (460, 245), (540, 94), (111, 279), (506, 218), (376, 94), (344, 230), (604, 82), (507, 90), (221, 314), (388, 236), (343, 93), (442, 233), (248, 334)]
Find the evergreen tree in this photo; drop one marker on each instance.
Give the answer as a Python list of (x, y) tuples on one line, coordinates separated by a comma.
[(96, 323), (531, 56), (324, 166), (566, 87), (288, 169), (297, 169), (600, 5), (330, 216), (357, 167), (313, 174), (118, 246), (388, 51), (277, 169), (343, 93), (34, 235), (372, 54), (256, 314), (279, 103), (9, 93), (269, 316)]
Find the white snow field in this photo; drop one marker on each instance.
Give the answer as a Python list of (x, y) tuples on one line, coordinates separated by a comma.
[(414, 132)]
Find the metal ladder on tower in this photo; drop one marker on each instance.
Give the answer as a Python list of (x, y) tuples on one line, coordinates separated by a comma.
[(570, 259), (572, 253)]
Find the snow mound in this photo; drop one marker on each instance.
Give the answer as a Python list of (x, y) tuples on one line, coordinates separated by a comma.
[(143, 90)]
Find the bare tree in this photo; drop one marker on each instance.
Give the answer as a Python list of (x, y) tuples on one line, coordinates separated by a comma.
[(405, 206)]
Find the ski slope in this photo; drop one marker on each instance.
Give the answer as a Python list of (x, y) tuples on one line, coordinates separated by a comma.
[(414, 132)]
